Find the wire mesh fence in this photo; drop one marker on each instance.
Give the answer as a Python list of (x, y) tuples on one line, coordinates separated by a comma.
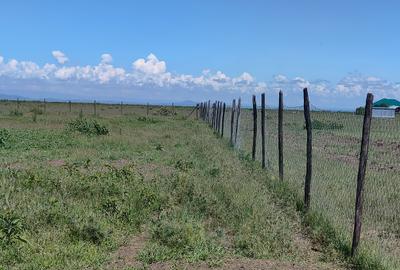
[(336, 148)]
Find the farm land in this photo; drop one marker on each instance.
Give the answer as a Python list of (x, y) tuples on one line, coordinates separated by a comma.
[(147, 188)]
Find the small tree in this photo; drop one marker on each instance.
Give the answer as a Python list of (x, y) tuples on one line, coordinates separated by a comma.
[(360, 111)]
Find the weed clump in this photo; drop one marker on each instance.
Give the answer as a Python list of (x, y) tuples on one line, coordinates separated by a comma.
[(147, 120), (88, 231), (88, 127), (4, 137), (164, 111), (319, 125), (15, 112), (11, 228)]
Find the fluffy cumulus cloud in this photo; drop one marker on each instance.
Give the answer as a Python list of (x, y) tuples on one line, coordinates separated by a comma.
[(151, 72), (60, 57)]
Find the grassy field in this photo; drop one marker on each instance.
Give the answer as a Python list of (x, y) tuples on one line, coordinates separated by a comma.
[(75, 187), (336, 146)]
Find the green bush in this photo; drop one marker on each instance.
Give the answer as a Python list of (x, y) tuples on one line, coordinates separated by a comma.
[(15, 112), (360, 111), (319, 125), (4, 137), (88, 127)]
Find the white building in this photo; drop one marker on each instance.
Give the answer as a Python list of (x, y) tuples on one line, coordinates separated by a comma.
[(384, 112)]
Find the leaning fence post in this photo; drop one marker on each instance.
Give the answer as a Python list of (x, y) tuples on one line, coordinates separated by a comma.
[(361, 173), (253, 152), (280, 135), (263, 130), (237, 120), (307, 184), (223, 120), (232, 119)]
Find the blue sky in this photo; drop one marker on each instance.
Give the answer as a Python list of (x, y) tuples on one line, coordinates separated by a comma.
[(200, 49)]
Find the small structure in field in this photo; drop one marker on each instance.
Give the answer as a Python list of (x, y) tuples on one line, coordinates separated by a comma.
[(386, 108)]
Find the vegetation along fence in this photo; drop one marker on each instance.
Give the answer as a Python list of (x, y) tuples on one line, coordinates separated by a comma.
[(323, 156)]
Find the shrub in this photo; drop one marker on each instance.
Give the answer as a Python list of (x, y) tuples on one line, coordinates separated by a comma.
[(15, 112), (88, 127), (319, 125), (360, 111), (4, 137)]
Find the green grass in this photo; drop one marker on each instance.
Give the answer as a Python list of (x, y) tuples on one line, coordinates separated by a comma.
[(336, 146), (70, 200)]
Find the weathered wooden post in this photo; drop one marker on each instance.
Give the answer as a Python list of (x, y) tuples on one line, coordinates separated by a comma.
[(223, 119), (237, 120), (213, 115), (280, 135), (232, 120), (70, 106), (94, 108), (263, 130), (208, 111), (219, 117), (253, 152), (362, 166), (307, 117)]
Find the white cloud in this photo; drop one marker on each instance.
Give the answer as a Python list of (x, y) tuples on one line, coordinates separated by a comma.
[(150, 72), (60, 57), (106, 58), (151, 65)]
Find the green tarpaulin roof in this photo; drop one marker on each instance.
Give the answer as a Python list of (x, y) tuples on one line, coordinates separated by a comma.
[(387, 102)]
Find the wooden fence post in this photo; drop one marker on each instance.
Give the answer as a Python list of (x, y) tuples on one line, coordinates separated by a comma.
[(213, 115), (44, 106), (121, 108), (94, 108), (253, 152), (280, 135), (361, 173), (147, 108), (219, 117), (263, 130), (70, 106), (208, 111), (223, 119), (232, 119), (237, 120), (307, 184)]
